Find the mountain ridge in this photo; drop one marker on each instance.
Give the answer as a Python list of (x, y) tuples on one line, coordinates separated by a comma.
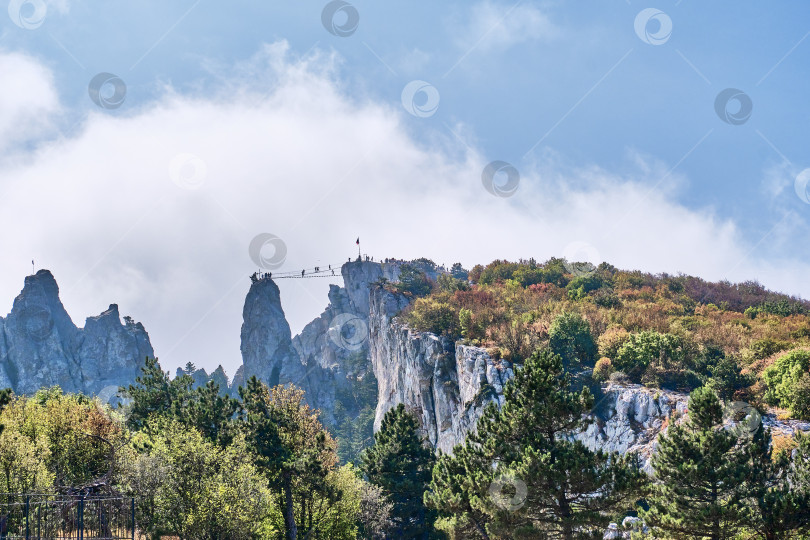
[(361, 341), (40, 346)]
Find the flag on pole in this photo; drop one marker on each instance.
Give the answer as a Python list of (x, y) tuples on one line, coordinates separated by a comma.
[(358, 241)]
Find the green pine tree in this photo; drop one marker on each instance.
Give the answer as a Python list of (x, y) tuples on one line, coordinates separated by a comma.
[(213, 414), (400, 463), (413, 280), (5, 398), (700, 469), (261, 425), (155, 394), (780, 507), (292, 450), (799, 468), (796, 467), (521, 476), (460, 490)]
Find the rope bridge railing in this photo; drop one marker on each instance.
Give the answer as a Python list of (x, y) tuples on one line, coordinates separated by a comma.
[(330, 270), (62, 517)]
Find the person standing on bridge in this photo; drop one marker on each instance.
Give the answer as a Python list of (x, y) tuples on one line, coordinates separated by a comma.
[(302, 273)]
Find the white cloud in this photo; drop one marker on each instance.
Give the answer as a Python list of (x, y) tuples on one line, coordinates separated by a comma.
[(27, 99), (498, 26), (287, 152)]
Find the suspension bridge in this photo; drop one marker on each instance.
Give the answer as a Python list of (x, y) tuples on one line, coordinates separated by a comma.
[(306, 273), (328, 271)]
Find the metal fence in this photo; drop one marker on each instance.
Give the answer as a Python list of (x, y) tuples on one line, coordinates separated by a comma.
[(60, 517)]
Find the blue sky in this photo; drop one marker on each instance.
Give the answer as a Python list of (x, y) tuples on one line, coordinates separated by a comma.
[(617, 141)]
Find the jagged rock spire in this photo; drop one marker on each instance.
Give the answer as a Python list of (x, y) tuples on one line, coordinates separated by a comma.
[(40, 346)]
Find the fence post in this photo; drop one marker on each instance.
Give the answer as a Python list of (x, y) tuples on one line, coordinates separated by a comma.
[(27, 512), (81, 518), (133, 518)]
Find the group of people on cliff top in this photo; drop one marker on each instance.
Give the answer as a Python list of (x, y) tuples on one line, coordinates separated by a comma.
[(258, 276)]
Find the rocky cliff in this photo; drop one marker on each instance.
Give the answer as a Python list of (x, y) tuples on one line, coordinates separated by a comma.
[(41, 347), (446, 384), (329, 353)]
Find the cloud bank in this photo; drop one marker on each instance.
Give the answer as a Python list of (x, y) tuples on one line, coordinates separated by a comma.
[(28, 99), (154, 208)]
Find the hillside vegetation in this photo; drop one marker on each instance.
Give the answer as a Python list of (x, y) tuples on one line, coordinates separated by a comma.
[(674, 332)]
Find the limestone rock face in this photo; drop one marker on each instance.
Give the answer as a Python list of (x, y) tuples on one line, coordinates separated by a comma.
[(447, 385), (328, 353), (41, 347), (237, 381), (268, 352), (123, 349), (357, 279), (266, 340), (630, 417)]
